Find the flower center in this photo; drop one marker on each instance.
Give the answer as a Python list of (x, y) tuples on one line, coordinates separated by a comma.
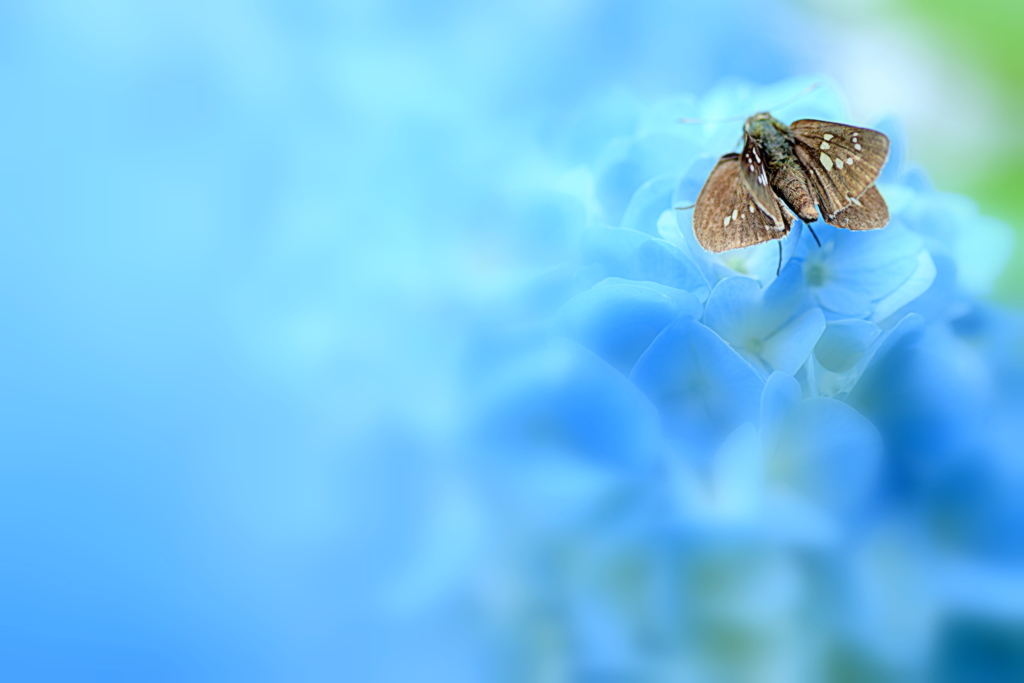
[(815, 274)]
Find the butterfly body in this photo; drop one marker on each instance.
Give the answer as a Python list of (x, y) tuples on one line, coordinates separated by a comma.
[(811, 169)]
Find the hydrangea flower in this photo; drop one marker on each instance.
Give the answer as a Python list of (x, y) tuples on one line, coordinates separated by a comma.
[(778, 476)]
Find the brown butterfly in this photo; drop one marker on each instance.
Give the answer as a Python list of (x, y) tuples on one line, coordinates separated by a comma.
[(813, 169)]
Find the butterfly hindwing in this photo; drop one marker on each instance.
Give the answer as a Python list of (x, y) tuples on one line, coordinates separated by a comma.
[(841, 161), (727, 217), (868, 212)]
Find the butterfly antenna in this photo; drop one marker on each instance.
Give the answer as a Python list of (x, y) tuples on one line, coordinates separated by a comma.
[(732, 119), (813, 234), (684, 208), (778, 268), (806, 91)]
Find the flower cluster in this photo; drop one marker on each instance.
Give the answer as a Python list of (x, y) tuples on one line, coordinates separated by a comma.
[(695, 469)]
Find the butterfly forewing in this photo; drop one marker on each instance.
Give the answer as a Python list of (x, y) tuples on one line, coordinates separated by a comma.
[(842, 162), (868, 212), (754, 175), (726, 216)]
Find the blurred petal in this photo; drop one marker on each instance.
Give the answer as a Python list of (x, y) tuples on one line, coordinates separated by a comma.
[(843, 343), (787, 349), (564, 401), (781, 393), (702, 388), (733, 312), (649, 202), (635, 256), (827, 457), (730, 490), (617, 319), (915, 286), (760, 324)]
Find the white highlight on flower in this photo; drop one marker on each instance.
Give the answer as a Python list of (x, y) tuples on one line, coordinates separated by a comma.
[(826, 161)]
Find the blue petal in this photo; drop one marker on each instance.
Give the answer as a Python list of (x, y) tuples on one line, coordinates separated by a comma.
[(843, 344), (635, 256), (852, 270), (617, 319), (951, 224), (565, 402), (893, 606), (781, 393), (827, 456), (731, 490), (652, 199), (624, 170), (839, 384), (734, 313), (787, 349), (702, 388), (916, 285), (894, 168), (739, 309), (760, 324), (693, 180)]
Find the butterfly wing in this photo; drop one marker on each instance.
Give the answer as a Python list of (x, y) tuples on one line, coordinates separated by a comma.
[(726, 216), (842, 162), (868, 212), (754, 175)]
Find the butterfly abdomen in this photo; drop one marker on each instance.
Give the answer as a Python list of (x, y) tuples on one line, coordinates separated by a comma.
[(790, 183)]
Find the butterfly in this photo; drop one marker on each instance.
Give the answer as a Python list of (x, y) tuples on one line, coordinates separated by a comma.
[(810, 169)]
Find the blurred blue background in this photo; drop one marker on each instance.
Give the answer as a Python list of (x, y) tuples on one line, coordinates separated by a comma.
[(287, 391)]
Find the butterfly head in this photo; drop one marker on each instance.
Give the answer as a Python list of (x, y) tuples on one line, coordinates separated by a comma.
[(760, 123)]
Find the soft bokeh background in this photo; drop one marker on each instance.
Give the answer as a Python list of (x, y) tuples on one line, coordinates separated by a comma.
[(245, 244)]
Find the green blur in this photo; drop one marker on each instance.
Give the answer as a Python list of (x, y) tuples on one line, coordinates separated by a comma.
[(989, 35)]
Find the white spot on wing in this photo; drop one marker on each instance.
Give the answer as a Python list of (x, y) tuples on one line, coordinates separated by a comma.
[(824, 145), (751, 208), (856, 146), (826, 161), (849, 161), (828, 136), (725, 223), (839, 163), (734, 212)]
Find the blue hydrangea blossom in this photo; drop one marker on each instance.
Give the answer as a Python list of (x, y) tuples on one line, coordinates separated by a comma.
[(801, 471)]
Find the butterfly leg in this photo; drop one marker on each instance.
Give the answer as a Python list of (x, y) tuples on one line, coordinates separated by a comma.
[(815, 236)]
